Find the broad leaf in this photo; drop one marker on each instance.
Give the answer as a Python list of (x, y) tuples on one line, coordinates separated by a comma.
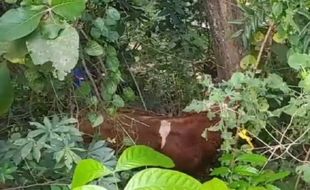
[(248, 61), (272, 187), (69, 9), (162, 179), (6, 89), (140, 155), (17, 23), (270, 176), (244, 170), (16, 51), (221, 171), (298, 61), (304, 170), (63, 51), (89, 187), (95, 119), (254, 159), (88, 170), (50, 28), (213, 184), (25, 151), (118, 101), (93, 48)]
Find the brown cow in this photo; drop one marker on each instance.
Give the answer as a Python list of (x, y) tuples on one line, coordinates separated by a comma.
[(180, 138)]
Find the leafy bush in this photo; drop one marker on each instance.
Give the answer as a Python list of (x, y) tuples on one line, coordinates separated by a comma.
[(50, 149), (246, 171), (152, 178)]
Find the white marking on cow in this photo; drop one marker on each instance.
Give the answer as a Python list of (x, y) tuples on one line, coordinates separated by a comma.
[(164, 130)]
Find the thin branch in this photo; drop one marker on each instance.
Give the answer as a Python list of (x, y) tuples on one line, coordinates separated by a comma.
[(259, 57), (135, 81), (90, 77)]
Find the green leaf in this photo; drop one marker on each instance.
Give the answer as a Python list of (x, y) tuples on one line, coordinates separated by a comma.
[(16, 51), (140, 155), (6, 89), (50, 29), (86, 171), (221, 171), (112, 63), (36, 153), (270, 176), (95, 119), (272, 187), (69, 9), (10, 1), (89, 187), (245, 170), (163, 179), (305, 83), (304, 170), (128, 94), (118, 101), (254, 159), (25, 151), (213, 184), (93, 48), (277, 9), (63, 51), (299, 61), (112, 16), (113, 13), (17, 23), (256, 188), (247, 62)]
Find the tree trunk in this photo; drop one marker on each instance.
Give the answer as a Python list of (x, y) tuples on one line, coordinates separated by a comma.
[(228, 51)]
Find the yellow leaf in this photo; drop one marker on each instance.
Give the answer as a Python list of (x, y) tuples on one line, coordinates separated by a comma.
[(258, 37), (243, 134), (277, 37)]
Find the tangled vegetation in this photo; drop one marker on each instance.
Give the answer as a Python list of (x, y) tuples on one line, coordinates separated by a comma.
[(59, 58)]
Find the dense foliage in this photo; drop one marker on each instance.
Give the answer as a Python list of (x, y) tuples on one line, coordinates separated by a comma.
[(59, 58)]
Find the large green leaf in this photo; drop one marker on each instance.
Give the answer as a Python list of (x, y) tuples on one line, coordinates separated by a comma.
[(88, 170), (140, 155), (298, 61), (162, 179), (213, 184), (17, 23), (63, 51), (69, 9), (6, 89)]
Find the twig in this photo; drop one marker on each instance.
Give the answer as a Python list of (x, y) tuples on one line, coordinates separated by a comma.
[(90, 77), (259, 57), (135, 81)]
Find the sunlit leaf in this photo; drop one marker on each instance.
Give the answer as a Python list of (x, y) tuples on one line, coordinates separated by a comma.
[(214, 183), (162, 179), (88, 170), (69, 9), (139, 156)]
